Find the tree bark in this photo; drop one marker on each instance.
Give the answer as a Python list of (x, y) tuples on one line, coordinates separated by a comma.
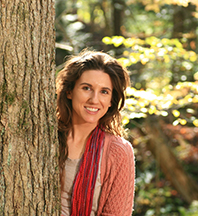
[(185, 24), (171, 167), (118, 10), (29, 178)]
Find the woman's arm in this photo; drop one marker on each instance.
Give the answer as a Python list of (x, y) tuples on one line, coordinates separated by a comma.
[(118, 187)]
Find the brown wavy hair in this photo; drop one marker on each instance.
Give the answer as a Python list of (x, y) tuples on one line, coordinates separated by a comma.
[(65, 82)]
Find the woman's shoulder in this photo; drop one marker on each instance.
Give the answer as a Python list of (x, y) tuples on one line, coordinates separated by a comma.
[(117, 147), (117, 155)]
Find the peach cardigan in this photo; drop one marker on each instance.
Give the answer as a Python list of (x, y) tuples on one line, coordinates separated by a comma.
[(117, 178)]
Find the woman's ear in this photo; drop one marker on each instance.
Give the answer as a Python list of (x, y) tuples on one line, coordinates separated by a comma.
[(69, 94)]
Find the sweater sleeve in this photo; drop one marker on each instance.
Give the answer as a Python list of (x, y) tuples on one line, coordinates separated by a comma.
[(118, 187)]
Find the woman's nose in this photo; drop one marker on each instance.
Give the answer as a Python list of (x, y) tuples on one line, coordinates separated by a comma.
[(94, 98)]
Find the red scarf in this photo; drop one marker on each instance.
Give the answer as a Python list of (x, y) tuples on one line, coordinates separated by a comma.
[(84, 182)]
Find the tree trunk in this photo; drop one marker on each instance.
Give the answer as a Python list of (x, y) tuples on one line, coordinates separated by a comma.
[(104, 7), (185, 25), (171, 167), (29, 178), (118, 10)]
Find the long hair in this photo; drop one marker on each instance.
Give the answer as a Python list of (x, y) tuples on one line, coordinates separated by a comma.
[(65, 82)]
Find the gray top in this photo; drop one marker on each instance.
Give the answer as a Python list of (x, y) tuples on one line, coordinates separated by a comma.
[(69, 173)]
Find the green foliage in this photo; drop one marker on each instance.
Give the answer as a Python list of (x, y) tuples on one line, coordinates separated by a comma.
[(154, 194), (140, 103), (151, 49), (166, 99), (161, 61), (155, 5), (192, 211)]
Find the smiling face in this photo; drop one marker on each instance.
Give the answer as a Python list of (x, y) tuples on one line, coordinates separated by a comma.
[(91, 97)]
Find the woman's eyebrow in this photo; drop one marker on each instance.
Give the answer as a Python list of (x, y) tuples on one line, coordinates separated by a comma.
[(85, 84), (106, 88)]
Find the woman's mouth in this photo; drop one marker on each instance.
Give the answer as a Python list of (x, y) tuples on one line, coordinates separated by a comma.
[(92, 109)]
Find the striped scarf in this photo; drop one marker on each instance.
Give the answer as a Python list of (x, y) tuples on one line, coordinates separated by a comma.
[(84, 182)]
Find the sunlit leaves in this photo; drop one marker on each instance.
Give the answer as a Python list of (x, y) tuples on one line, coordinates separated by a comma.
[(125, 120), (183, 121), (153, 41), (150, 49), (140, 103), (117, 40), (193, 56), (196, 76), (195, 122), (176, 113), (129, 42), (169, 100), (107, 40), (130, 91), (152, 110), (155, 5), (124, 61), (179, 121)]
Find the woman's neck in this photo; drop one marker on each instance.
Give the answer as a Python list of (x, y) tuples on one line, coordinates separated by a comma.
[(77, 139)]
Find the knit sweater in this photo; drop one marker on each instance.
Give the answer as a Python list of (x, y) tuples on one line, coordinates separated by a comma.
[(117, 178)]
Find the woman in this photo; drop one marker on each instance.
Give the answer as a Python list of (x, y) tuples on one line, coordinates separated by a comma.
[(96, 164)]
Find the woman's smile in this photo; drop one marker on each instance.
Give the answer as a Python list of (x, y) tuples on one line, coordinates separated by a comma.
[(92, 109)]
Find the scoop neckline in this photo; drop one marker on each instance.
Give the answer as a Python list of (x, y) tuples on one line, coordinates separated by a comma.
[(74, 160)]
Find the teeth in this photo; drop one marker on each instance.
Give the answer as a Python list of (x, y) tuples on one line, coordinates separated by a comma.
[(92, 109)]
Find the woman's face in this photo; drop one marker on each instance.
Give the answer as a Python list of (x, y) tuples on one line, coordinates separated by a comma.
[(91, 97)]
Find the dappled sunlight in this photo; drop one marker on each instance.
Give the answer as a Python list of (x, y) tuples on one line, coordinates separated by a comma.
[(141, 103)]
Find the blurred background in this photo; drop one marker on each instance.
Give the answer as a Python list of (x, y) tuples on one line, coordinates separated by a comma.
[(158, 42)]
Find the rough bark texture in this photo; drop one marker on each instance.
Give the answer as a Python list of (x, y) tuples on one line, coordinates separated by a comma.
[(29, 179), (171, 167)]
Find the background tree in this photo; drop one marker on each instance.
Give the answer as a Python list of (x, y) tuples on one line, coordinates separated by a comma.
[(118, 8), (29, 179)]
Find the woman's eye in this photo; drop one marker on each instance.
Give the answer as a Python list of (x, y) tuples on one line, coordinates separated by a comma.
[(87, 88), (104, 92)]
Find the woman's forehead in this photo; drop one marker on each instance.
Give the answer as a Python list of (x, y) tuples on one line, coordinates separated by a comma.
[(96, 77)]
